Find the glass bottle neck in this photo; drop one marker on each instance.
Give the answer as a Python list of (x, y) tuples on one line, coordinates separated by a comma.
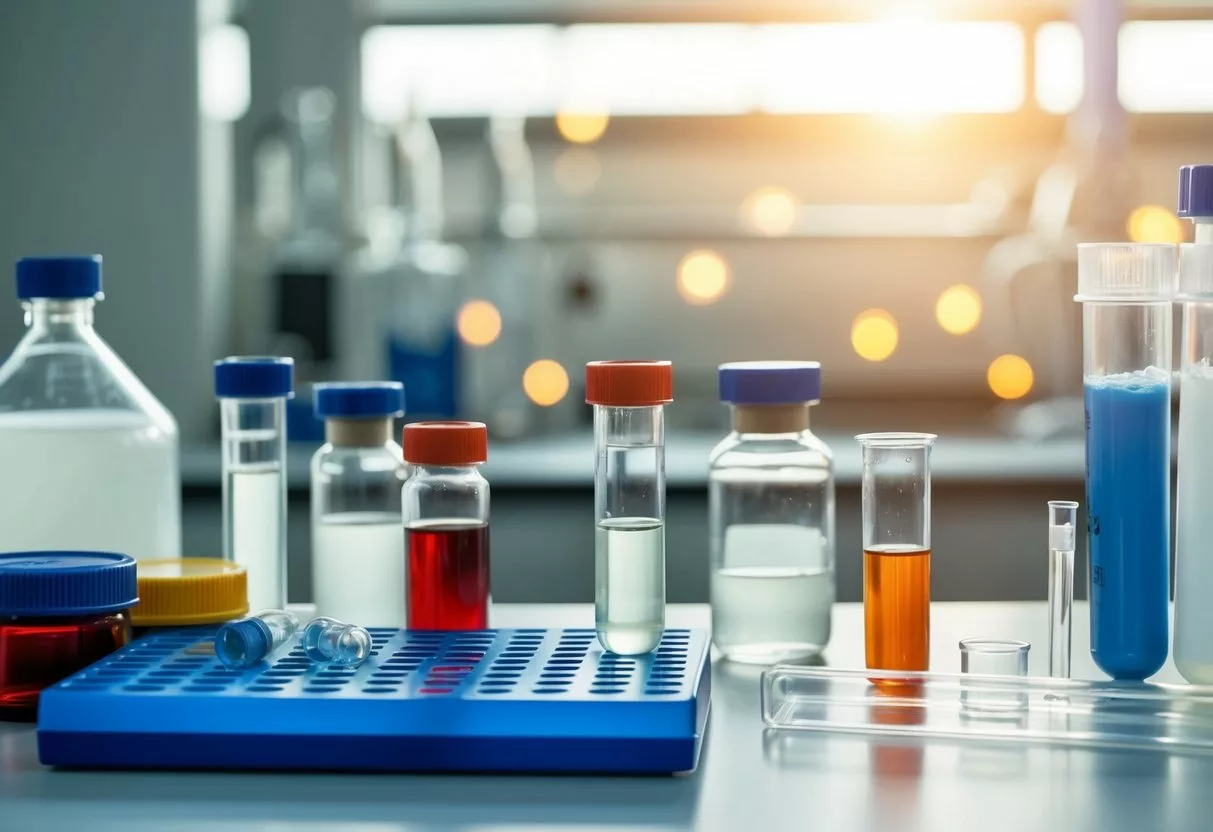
[(768, 419), (358, 433), (53, 313)]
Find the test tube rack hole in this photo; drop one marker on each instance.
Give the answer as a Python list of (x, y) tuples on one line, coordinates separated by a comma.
[(507, 700)]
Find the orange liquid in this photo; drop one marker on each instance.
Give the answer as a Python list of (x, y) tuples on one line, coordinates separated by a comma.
[(897, 607)]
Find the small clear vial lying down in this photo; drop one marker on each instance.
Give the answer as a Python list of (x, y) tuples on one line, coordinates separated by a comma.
[(328, 641), (252, 393), (245, 642), (771, 517), (629, 501), (357, 531)]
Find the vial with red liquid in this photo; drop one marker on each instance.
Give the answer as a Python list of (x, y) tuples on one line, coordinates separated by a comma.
[(445, 502)]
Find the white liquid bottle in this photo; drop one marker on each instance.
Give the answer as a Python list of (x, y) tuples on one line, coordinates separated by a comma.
[(1193, 649), (90, 456), (357, 527)]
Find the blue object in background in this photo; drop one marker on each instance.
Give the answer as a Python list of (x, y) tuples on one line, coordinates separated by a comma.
[(1129, 517), (430, 375), (302, 425), (494, 700)]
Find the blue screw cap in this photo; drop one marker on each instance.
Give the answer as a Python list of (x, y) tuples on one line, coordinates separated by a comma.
[(243, 643), (359, 400), (1195, 191), (770, 382), (54, 584), (254, 377), (59, 278)]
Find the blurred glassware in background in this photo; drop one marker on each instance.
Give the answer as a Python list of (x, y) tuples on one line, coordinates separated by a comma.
[(514, 275), (90, 455), (398, 320)]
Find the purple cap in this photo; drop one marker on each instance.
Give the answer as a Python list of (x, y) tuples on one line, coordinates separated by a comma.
[(770, 382), (1195, 191)]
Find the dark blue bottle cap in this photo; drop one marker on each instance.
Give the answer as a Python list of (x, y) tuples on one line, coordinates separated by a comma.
[(243, 643), (1195, 191), (770, 382), (359, 400), (54, 584), (61, 278), (254, 377)]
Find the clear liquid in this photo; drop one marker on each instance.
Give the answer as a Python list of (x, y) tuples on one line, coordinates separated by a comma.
[(257, 529), (358, 568), (88, 479), (629, 596), (1061, 606), (764, 615)]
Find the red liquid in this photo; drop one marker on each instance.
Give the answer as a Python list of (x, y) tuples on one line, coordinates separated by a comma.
[(35, 655), (448, 576)]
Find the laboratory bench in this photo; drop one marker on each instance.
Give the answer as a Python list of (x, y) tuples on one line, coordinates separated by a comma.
[(988, 524), (748, 778)]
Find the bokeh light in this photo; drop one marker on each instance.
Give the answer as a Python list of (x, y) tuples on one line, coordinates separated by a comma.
[(770, 211), (874, 334), (1010, 377), (1154, 224), (582, 128), (478, 323), (545, 382), (958, 309), (703, 276)]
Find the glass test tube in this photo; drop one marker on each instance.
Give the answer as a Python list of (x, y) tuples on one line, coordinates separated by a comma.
[(356, 480), (252, 393), (629, 501), (445, 502), (897, 549), (1126, 292), (1063, 519), (1193, 567)]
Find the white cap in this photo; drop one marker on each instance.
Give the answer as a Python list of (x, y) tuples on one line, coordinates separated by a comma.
[(1195, 272), (1126, 272)]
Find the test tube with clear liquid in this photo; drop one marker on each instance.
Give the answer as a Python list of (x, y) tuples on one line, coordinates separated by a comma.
[(1063, 518), (629, 501), (897, 549), (252, 393)]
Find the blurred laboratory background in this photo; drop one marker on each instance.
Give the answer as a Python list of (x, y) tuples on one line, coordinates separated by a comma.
[(476, 198)]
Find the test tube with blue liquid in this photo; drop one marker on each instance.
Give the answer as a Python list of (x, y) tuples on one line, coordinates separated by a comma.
[(252, 393), (1126, 292)]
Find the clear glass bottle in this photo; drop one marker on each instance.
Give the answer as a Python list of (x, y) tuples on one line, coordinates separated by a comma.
[(357, 536), (253, 392), (629, 399), (445, 502), (80, 436), (771, 516)]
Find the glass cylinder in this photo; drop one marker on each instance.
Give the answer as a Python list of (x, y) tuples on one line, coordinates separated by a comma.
[(252, 393), (897, 549), (1194, 488), (771, 517), (1126, 292), (90, 456), (629, 501), (357, 533), (445, 502), (1063, 520)]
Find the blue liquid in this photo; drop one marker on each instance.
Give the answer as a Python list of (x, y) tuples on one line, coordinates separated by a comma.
[(1128, 526)]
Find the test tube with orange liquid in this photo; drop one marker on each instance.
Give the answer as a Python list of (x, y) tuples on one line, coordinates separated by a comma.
[(897, 549)]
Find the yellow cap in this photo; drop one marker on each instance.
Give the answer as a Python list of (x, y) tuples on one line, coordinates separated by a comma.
[(183, 591)]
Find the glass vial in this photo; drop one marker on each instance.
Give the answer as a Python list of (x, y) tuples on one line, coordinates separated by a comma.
[(252, 395), (629, 399), (446, 526), (1126, 292), (771, 517), (77, 424), (897, 549), (1194, 487), (328, 641), (357, 536), (245, 642), (1063, 532)]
